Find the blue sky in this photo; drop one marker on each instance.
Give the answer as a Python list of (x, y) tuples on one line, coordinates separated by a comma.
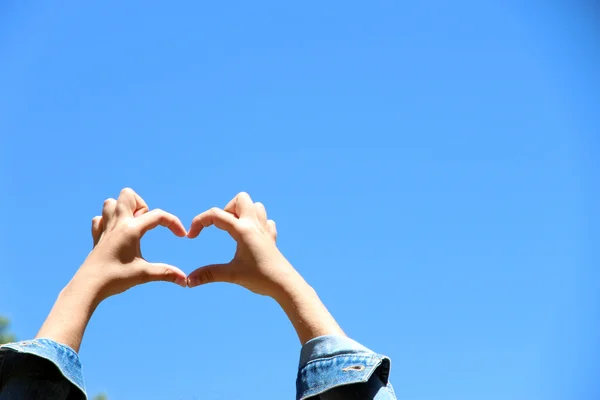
[(432, 168)]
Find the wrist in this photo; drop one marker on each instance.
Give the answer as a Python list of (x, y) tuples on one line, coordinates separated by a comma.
[(82, 292), (295, 291), (291, 287), (87, 286)]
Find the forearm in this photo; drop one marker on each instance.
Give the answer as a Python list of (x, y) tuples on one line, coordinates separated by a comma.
[(332, 366), (305, 310), (70, 315)]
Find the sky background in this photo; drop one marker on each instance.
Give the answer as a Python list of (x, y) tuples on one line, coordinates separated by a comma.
[(432, 168)]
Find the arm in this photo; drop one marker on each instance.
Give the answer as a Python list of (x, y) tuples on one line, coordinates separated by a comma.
[(332, 366), (70, 315), (259, 266), (305, 310), (48, 367)]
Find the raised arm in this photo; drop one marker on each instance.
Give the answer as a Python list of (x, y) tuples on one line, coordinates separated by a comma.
[(48, 367), (332, 366), (259, 266), (114, 265)]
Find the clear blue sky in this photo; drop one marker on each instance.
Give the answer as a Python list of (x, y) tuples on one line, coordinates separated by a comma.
[(432, 167)]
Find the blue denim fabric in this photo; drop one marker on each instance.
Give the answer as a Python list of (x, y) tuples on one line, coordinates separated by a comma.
[(336, 367), (331, 368), (27, 368)]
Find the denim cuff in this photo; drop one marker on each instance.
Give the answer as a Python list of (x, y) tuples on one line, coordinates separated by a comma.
[(330, 361), (65, 358)]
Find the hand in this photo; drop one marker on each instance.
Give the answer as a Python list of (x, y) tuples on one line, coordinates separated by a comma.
[(257, 264), (113, 266), (116, 263)]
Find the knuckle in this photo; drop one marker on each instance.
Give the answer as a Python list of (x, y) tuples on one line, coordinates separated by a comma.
[(109, 202), (169, 275), (130, 228), (143, 275), (209, 277), (206, 276), (272, 229), (127, 190), (213, 213), (246, 227)]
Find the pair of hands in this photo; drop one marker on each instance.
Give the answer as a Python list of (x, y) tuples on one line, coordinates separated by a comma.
[(116, 264)]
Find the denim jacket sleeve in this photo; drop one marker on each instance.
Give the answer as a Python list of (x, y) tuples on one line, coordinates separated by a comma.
[(331, 368), (40, 368), (336, 367)]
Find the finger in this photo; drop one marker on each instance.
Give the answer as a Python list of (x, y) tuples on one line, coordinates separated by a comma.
[(209, 274), (272, 228), (217, 217), (241, 206), (130, 204), (108, 213), (261, 213), (157, 217), (153, 272), (96, 229)]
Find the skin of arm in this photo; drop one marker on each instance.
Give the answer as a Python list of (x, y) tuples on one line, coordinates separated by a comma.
[(259, 266), (306, 311), (114, 265)]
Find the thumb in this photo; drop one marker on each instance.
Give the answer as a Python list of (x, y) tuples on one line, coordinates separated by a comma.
[(209, 274), (153, 272)]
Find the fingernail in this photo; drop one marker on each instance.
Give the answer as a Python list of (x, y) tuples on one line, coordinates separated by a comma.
[(181, 282), (191, 282)]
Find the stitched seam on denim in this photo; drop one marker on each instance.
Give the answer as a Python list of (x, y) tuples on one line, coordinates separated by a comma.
[(364, 355), (391, 389), (319, 388), (63, 346)]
